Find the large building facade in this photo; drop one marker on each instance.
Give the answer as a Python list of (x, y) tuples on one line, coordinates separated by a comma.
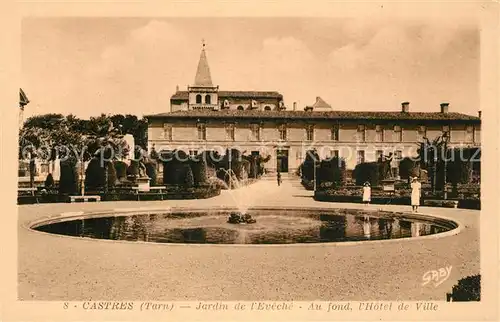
[(205, 118)]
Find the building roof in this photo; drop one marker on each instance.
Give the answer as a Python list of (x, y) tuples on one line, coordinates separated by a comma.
[(313, 115), (321, 104), (203, 77), (184, 95)]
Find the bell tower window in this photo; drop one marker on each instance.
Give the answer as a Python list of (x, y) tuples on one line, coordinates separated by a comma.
[(198, 99), (208, 99)]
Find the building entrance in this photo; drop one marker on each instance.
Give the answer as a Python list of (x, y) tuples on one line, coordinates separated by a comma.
[(282, 160)]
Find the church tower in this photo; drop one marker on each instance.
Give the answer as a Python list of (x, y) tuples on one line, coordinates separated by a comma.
[(203, 94)]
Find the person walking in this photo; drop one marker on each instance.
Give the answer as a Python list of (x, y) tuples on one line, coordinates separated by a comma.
[(279, 178), (416, 191), (367, 193)]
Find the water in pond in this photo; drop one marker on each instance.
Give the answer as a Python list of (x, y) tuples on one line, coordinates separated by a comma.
[(272, 227)]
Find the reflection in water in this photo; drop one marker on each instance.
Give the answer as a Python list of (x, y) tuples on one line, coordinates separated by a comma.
[(272, 227)]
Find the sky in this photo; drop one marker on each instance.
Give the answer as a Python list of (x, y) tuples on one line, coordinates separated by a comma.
[(89, 66)]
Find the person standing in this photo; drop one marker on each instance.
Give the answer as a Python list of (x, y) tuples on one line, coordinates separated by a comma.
[(416, 191), (279, 178), (367, 193)]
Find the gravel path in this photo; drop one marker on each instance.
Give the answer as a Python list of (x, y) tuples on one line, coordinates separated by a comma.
[(60, 268)]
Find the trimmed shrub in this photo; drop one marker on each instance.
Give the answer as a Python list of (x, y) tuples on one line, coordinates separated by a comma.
[(133, 168), (121, 170), (199, 168), (409, 168), (467, 289), (68, 181), (307, 167), (188, 176), (112, 178), (49, 181), (333, 171), (367, 171), (151, 171), (94, 175)]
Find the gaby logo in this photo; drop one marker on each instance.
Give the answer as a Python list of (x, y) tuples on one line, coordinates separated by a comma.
[(436, 276)]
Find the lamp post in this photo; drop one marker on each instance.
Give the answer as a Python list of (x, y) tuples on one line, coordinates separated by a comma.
[(229, 170), (434, 174), (314, 174), (445, 186)]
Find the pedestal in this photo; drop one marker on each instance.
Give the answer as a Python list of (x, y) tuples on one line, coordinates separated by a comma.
[(142, 183), (388, 185)]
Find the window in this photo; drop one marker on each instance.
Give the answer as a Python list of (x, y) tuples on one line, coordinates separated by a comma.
[(335, 133), (167, 132), (421, 133), (198, 99), (267, 108), (310, 133), (469, 134), (336, 154), (230, 132), (282, 132), (255, 128), (44, 168), (361, 133), (379, 133), (202, 131), (193, 153), (379, 154), (360, 157), (398, 133), (240, 108), (208, 99)]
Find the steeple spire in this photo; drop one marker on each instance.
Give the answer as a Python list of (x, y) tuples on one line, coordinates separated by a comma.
[(203, 77)]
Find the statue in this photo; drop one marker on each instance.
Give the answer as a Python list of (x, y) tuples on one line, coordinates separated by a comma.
[(385, 165)]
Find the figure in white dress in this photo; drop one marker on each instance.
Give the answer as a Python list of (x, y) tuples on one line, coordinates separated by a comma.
[(367, 193), (416, 190)]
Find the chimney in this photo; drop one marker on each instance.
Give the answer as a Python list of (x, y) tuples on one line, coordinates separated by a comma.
[(479, 114), (177, 88), (444, 107), (405, 107), (294, 106)]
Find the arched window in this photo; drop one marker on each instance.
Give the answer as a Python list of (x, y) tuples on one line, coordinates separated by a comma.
[(240, 108), (198, 99), (267, 108), (207, 99)]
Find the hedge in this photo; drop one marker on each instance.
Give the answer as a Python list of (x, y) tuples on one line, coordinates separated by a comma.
[(367, 171)]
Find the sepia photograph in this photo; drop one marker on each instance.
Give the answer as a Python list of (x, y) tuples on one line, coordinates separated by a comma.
[(269, 160)]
